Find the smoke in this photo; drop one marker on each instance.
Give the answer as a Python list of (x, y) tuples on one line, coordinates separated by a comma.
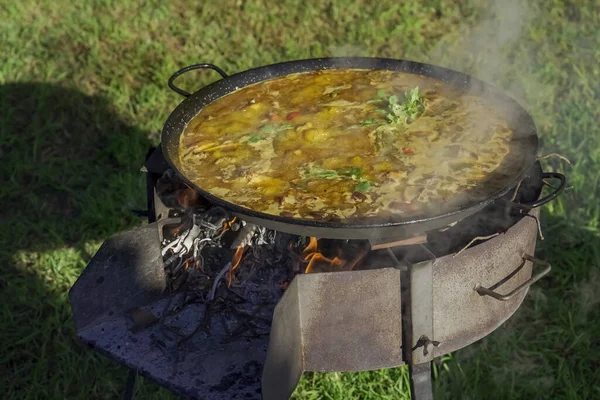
[(347, 50), (491, 50), (587, 300)]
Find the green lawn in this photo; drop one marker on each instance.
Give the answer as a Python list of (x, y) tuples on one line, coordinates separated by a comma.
[(83, 94)]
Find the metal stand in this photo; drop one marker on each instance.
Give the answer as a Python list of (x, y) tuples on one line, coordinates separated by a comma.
[(132, 374), (420, 381), (416, 266), (130, 385)]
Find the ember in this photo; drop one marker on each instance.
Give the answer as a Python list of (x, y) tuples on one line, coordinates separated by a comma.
[(235, 261), (188, 197)]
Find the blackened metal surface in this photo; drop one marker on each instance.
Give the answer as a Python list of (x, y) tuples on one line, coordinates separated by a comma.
[(522, 156), (341, 321), (201, 367), (156, 163), (126, 272)]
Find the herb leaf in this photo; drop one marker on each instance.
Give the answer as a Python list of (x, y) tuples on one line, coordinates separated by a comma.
[(363, 186), (254, 139), (354, 172), (345, 172), (367, 122), (407, 111), (317, 173), (275, 128)]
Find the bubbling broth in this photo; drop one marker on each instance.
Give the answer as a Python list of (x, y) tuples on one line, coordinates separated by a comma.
[(343, 144)]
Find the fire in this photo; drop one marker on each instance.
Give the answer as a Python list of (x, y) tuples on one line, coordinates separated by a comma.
[(227, 226), (235, 261), (310, 249), (317, 262), (318, 258), (188, 197)]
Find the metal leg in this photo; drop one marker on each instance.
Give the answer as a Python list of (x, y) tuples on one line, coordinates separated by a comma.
[(130, 385), (420, 381)]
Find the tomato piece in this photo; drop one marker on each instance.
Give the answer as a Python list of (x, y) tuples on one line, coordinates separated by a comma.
[(408, 151), (293, 115), (275, 117)]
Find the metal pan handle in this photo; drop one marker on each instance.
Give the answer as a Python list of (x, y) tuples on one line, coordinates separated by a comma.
[(189, 68), (557, 190), (483, 291)]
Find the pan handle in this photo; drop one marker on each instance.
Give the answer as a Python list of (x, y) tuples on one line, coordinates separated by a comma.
[(189, 68), (557, 190), (483, 291)]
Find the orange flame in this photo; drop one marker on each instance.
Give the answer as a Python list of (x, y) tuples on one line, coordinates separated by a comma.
[(310, 249), (227, 226), (317, 262), (235, 261), (188, 197), (318, 258)]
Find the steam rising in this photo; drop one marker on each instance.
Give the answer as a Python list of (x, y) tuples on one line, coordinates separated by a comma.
[(487, 52)]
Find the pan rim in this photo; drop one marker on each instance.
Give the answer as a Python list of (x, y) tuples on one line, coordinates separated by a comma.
[(199, 99)]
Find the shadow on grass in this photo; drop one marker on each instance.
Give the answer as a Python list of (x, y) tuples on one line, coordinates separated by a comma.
[(71, 166), (70, 169)]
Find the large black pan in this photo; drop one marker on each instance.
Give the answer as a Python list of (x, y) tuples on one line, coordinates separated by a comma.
[(515, 167)]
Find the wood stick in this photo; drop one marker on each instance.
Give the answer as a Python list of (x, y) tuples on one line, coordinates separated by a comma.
[(565, 159), (378, 244), (220, 275), (475, 239)]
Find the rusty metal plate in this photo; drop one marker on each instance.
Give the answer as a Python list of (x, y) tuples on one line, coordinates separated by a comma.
[(341, 321), (460, 315)]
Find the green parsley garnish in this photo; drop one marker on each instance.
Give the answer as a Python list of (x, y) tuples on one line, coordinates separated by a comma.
[(322, 173), (345, 172), (354, 172), (367, 122), (254, 139), (273, 128), (363, 186), (407, 111)]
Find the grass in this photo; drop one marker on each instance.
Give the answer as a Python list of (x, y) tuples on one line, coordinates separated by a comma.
[(83, 94)]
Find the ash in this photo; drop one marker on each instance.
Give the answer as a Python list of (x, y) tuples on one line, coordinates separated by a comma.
[(236, 270)]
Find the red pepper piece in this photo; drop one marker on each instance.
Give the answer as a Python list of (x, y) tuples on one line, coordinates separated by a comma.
[(275, 117), (408, 151), (293, 115)]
